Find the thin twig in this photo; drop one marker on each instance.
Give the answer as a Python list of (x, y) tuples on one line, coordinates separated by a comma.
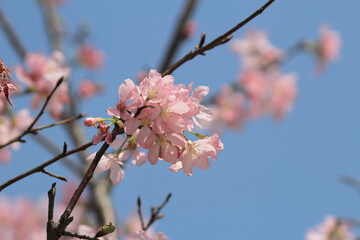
[(54, 175), (45, 164), (178, 35), (11, 35), (30, 128), (155, 211), (216, 42), (52, 148), (58, 123), (140, 212)]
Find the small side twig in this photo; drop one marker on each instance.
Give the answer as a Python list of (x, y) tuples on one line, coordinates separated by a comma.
[(54, 175), (65, 121), (11, 35), (155, 213), (30, 128), (216, 42), (45, 164), (140, 213)]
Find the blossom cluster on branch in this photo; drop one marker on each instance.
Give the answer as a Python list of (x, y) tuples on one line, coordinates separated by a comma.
[(155, 116)]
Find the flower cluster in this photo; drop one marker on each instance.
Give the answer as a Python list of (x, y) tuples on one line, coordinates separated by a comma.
[(41, 77), (261, 88), (331, 229), (155, 116)]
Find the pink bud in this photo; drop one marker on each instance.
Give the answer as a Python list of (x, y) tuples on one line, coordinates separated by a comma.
[(90, 121)]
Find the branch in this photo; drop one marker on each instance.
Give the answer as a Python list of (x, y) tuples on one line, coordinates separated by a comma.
[(88, 175), (51, 196), (11, 35), (52, 148), (216, 42), (68, 120), (54, 175), (30, 128), (45, 164), (52, 23), (352, 182), (178, 36), (70, 234), (155, 211)]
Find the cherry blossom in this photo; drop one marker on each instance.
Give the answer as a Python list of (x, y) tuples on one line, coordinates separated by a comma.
[(331, 229), (155, 116), (41, 76), (142, 235), (89, 57), (88, 88), (11, 127)]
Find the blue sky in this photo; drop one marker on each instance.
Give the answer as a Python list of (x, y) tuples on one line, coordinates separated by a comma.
[(273, 179)]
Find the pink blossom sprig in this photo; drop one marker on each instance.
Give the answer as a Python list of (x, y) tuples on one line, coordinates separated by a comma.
[(155, 115)]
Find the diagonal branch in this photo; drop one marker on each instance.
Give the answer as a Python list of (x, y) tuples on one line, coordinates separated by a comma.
[(52, 23), (178, 36), (30, 128), (216, 42), (45, 164), (11, 35)]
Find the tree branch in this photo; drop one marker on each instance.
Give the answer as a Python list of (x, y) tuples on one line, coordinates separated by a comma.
[(45, 164), (11, 35), (30, 128), (155, 211), (178, 36), (216, 42), (52, 23)]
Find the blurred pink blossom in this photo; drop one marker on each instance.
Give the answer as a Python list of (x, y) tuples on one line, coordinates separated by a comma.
[(88, 88), (331, 229), (41, 76), (90, 57)]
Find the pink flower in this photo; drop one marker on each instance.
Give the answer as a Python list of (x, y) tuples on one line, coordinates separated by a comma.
[(166, 147), (331, 229), (255, 50), (130, 147), (103, 130), (112, 162), (89, 57), (42, 75), (88, 88), (284, 92), (254, 83), (189, 28), (142, 235), (329, 45), (197, 153), (228, 109), (12, 127), (125, 92)]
